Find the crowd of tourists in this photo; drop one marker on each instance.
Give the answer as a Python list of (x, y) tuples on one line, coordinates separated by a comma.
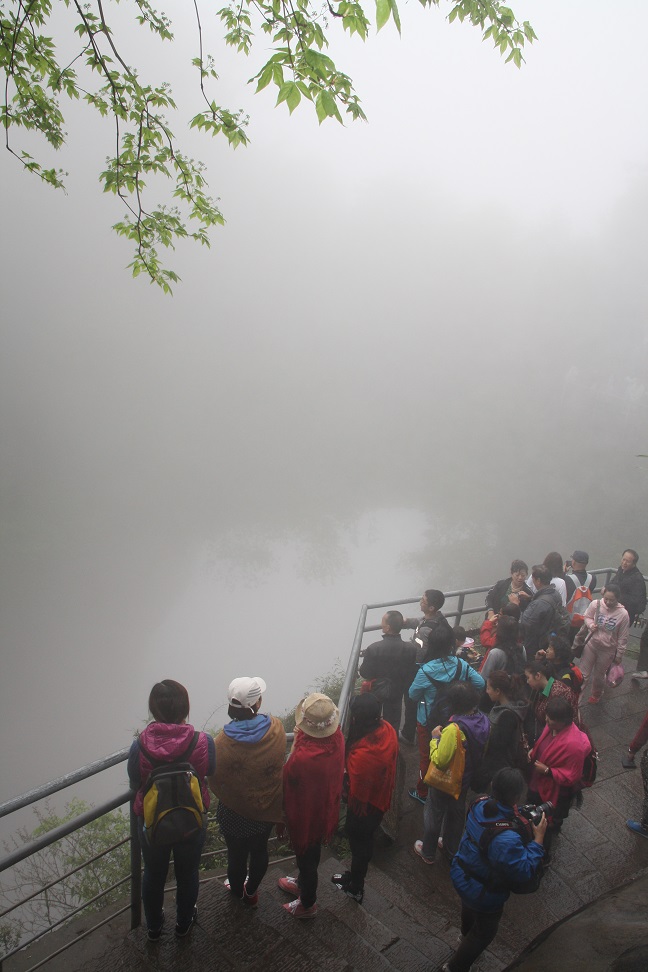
[(499, 716)]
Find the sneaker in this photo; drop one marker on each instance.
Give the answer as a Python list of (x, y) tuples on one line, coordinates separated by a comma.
[(251, 900), (415, 795), (406, 739), (636, 828), (440, 843), (639, 675), (182, 930), (594, 699), (227, 885), (418, 849), (356, 895), (297, 909), (289, 885), (628, 761), (341, 881), (154, 934)]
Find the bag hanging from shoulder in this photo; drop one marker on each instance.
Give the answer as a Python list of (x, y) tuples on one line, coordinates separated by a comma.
[(449, 780), (579, 644)]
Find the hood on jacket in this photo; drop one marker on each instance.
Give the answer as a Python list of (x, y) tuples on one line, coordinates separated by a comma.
[(165, 740), (518, 707), (248, 730), (477, 724)]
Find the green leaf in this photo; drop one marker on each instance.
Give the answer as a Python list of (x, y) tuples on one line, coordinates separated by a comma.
[(383, 12), (395, 14)]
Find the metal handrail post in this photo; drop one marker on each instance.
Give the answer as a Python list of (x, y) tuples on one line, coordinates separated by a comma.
[(352, 667), (460, 606), (136, 873)]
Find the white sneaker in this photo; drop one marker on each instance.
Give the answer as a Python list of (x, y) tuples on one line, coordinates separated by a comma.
[(639, 675)]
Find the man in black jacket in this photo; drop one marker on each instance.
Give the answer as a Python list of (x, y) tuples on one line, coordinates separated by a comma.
[(431, 604), (633, 586), (633, 597), (392, 662), (538, 618)]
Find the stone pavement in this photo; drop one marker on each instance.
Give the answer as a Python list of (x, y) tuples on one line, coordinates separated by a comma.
[(409, 919)]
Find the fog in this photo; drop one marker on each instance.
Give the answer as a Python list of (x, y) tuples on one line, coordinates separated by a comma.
[(416, 350)]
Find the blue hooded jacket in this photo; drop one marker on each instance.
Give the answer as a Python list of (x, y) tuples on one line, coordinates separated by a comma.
[(509, 858)]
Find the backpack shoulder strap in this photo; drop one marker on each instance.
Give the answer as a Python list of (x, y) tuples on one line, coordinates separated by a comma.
[(461, 671)]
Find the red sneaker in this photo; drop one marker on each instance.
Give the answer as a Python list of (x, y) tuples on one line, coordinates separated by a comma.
[(289, 884), (251, 900), (297, 909)]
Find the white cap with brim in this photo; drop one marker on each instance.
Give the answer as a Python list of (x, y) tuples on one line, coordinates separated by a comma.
[(245, 691)]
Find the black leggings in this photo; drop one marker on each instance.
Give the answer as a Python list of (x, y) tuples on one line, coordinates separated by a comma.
[(239, 849), (360, 831), (478, 929)]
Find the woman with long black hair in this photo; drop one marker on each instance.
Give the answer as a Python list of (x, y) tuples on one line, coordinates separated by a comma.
[(371, 755)]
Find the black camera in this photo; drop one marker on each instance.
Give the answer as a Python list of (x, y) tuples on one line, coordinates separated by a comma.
[(534, 814)]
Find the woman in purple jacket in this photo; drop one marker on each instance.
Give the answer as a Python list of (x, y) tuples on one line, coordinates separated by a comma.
[(444, 815), (165, 740)]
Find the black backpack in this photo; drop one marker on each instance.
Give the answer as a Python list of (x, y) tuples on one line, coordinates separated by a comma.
[(439, 712), (173, 805)]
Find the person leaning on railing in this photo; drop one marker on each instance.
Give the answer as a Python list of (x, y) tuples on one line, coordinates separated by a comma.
[(513, 589), (433, 619)]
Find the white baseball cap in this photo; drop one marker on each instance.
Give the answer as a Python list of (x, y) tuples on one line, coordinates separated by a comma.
[(245, 691)]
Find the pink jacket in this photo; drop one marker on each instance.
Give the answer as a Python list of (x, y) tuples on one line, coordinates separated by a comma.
[(565, 754), (611, 627), (166, 741)]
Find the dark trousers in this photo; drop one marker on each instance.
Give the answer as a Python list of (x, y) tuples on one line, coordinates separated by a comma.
[(423, 736), (559, 813), (409, 725), (391, 711), (308, 862), (478, 929), (186, 858), (239, 850), (642, 661), (644, 777), (360, 831), (443, 816)]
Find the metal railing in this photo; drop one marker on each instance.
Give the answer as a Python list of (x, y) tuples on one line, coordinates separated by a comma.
[(461, 610)]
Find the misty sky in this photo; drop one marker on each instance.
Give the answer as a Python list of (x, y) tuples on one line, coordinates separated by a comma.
[(416, 350)]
